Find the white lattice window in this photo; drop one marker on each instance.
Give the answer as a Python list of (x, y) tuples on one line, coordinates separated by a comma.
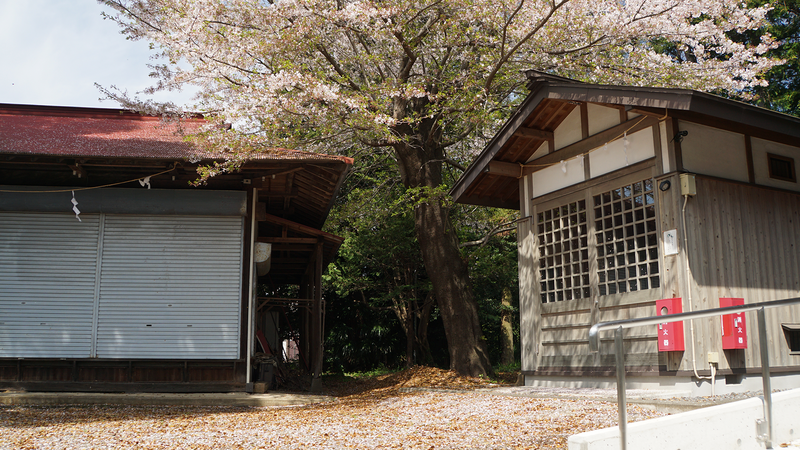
[(627, 244), (564, 253)]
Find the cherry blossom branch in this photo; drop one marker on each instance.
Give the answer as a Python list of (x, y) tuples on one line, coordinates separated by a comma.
[(504, 58)]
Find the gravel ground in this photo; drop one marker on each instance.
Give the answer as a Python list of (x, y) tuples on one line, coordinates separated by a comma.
[(420, 420)]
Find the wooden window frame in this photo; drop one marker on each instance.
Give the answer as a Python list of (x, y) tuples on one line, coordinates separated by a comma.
[(626, 228), (787, 159), (564, 271), (586, 191)]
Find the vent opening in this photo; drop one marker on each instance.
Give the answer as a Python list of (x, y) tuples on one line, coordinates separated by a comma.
[(781, 168), (792, 333)]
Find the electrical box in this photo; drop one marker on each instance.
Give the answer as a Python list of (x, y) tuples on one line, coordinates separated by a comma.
[(688, 186), (734, 327), (670, 335)]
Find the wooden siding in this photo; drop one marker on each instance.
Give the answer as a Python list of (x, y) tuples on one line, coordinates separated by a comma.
[(744, 242), (761, 149), (20, 372), (555, 334)]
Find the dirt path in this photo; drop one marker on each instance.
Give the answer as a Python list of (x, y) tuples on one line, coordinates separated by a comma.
[(369, 414)]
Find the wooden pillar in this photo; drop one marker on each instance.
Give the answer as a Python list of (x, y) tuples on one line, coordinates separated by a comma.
[(316, 320), (305, 329)]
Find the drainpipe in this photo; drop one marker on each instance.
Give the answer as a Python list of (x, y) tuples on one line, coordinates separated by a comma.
[(689, 293)]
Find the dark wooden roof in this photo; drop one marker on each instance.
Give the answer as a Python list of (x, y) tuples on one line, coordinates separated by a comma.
[(84, 147), (91, 147), (489, 180)]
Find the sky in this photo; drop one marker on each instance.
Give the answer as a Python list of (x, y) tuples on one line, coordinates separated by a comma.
[(52, 52)]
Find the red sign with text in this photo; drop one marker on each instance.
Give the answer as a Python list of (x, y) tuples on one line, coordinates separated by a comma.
[(734, 327), (670, 335)]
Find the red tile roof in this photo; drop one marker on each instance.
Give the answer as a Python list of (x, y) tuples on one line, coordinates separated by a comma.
[(108, 133)]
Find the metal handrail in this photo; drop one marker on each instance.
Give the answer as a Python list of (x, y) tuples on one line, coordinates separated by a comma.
[(619, 325)]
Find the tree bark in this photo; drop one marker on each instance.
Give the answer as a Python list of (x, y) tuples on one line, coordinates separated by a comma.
[(506, 329), (419, 160), (410, 335), (424, 355), (450, 279)]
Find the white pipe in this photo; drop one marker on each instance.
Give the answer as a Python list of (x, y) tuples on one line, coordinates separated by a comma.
[(689, 290), (252, 284), (713, 376)]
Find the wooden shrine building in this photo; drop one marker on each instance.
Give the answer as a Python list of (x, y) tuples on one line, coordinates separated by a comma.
[(634, 195), (117, 275)]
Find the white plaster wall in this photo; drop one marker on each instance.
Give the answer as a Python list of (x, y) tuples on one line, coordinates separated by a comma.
[(714, 152), (632, 115), (541, 151), (760, 164), (569, 132), (614, 156), (554, 177), (601, 118)]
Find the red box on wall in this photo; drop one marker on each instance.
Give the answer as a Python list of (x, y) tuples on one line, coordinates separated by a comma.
[(670, 335), (734, 327)]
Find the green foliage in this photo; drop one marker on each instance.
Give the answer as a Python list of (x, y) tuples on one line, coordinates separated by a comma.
[(358, 338), (782, 92), (513, 367), (378, 371), (492, 267), (378, 274)]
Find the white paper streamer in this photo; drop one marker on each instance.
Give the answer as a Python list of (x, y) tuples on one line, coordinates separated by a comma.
[(75, 207), (563, 166), (625, 144), (145, 182)]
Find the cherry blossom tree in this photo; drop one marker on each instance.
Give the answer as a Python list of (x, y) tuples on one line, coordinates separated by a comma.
[(415, 77)]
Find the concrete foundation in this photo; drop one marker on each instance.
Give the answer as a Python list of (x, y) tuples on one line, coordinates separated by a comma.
[(681, 385), (730, 426)]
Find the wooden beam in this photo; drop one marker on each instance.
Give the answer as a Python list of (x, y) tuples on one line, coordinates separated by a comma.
[(748, 149), (676, 145), (587, 171), (287, 240), (292, 248), (592, 142), (261, 210), (302, 228), (645, 111), (533, 133), (504, 169)]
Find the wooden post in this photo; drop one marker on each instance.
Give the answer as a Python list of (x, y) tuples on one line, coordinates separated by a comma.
[(316, 321)]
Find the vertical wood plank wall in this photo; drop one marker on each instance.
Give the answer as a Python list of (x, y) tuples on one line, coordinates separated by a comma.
[(528, 306), (743, 241)]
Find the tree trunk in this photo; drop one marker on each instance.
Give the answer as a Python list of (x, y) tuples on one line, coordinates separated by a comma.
[(424, 355), (419, 160), (506, 330), (450, 279), (410, 335)]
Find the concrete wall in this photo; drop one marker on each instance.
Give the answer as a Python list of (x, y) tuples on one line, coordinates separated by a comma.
[(730, 426)]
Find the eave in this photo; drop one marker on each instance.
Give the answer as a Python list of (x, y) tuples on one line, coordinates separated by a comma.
[(490, 179)]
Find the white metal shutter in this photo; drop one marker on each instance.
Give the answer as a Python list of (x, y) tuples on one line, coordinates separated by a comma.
[(170, 287), (47, 283)]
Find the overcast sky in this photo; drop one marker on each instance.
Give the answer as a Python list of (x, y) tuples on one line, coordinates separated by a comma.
[(53, 51)]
